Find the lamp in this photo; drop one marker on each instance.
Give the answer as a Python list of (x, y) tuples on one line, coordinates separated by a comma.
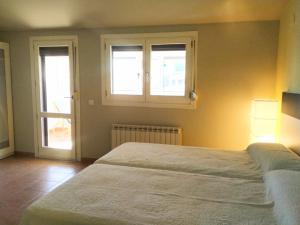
[(263, 120)]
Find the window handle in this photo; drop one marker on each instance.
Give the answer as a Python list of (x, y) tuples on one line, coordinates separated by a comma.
[(147, 76), (193, 95)]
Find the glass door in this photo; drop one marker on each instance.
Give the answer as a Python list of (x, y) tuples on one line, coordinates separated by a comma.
[(55, 98), (6, 115)]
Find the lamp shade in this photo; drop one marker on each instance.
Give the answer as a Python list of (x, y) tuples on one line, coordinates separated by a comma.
[(264, 120)]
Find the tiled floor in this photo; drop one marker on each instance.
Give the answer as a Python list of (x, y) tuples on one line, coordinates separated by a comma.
[(24, 179)]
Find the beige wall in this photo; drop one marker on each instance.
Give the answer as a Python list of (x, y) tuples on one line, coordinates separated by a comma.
[(288, 71), (236, 63)]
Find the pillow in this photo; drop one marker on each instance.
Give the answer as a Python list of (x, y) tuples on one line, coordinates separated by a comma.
[(296, 149), (283, 187), (270, 156)]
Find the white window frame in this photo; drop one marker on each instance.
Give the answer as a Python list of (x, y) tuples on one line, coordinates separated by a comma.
[(122, 98), (146, 40)]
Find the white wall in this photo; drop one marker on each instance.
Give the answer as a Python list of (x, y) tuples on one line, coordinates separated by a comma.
[(236, 63), (288, 71)]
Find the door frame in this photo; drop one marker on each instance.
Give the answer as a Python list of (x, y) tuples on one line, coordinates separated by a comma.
[(35, 85), (10, 150)]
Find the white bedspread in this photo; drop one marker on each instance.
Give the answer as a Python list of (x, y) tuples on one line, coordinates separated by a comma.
[(182, 158), (120, 195), (284, 188)]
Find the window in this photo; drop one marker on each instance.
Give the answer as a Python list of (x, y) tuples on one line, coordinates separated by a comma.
[(127, 70), (168, 70), (152, 70)]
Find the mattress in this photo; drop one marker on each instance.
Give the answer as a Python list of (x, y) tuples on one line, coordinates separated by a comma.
[(237, 164), (121, 195)]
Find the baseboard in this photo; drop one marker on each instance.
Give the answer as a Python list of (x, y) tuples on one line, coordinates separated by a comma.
[(24, 154), (31, 154), (88, 160)]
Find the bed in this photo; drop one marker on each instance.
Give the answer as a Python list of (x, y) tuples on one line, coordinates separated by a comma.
[(237, 164), (112, 194), (119, 195), (161, 184)]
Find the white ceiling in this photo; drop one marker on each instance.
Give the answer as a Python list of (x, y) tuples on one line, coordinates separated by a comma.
[(43, 14)]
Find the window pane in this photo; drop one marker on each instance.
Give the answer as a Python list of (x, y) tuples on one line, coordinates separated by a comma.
[(168, 70), (4, 142), (57, 133), (127, 70), (55, 80)]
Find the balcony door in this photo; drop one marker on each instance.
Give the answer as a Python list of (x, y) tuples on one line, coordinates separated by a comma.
[(56, 98)]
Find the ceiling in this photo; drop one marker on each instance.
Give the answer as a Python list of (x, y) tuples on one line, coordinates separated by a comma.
[(45, 14)]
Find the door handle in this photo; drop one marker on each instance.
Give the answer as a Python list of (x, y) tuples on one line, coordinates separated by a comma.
[(74, 96)]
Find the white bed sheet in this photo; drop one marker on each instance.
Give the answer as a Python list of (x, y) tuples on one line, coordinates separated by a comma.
[(120, 195), (183, 158)]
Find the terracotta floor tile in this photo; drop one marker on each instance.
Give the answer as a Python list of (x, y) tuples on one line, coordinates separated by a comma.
[(44, 186), (25, 179)]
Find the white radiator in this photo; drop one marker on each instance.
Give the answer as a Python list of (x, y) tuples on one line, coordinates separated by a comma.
[(122, 133)]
